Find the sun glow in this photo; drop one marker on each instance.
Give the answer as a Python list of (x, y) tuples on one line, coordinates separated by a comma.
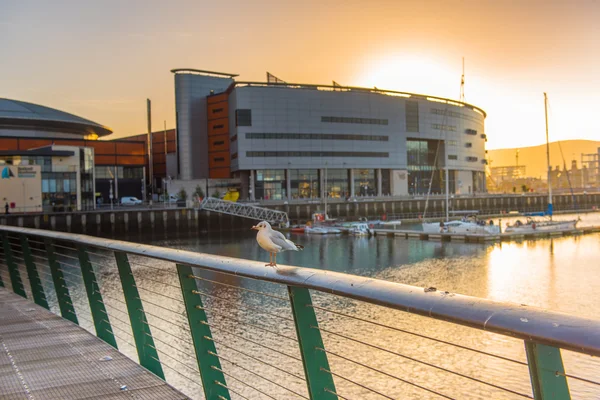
[(412, 73)]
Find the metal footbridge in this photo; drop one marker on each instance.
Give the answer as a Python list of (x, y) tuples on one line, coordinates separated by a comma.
[(224, 328), (245, 210)]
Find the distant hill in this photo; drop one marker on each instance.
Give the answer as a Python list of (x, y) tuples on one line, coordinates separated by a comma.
[(534, 157)]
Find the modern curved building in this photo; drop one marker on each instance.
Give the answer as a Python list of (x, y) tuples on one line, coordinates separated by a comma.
[(18, 118), (31, 134), (288, 140)]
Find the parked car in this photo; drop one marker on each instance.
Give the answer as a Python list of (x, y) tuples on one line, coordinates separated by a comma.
[(130, 201)]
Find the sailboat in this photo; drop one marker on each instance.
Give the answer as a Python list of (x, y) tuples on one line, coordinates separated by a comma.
[(545, 225), (468, 225)]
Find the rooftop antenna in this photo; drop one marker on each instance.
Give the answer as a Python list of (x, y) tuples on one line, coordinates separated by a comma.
[(462, 82)]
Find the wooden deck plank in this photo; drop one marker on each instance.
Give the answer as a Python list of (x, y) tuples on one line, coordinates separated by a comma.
[(43, 356)]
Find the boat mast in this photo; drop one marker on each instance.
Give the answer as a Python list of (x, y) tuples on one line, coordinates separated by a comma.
[(548, 157), (326, 191), (447, 190)]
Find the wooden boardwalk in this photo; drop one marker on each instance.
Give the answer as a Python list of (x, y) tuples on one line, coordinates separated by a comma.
[(479, 238), (44, 357)]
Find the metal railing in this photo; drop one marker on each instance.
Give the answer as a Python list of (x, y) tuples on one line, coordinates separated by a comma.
[(245, 210), (225, 328)]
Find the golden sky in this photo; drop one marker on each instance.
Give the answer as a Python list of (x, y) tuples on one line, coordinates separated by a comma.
[(101, 60)]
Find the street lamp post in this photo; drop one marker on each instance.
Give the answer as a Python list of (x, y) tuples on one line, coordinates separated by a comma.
[(110, 194)]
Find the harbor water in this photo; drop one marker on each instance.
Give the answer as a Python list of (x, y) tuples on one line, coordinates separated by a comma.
[(560, 274)]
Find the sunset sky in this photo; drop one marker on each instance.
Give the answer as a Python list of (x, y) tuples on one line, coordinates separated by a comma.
[(101, 60)]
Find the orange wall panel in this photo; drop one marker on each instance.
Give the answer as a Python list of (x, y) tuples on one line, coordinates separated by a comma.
[(9, 144), (218, 110), (218, 143), (131, 160), (26, 144), (218, 160), (219, 173), (104, 160), (218, 126), (102, 148), (78, 143), (217, 98), (131, 148)]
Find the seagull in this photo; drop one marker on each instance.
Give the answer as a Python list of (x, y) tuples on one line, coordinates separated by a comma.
[(273, 241)]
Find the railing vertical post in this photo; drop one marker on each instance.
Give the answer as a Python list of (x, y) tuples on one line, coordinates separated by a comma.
[(37, 289), (15, 277), (316, 366), (139, 324), (545, 369), (60, 285), (99, 315), (206, 352)]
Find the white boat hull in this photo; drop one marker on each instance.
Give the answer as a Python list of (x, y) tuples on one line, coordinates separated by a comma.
[(542, 226), (461, 228)]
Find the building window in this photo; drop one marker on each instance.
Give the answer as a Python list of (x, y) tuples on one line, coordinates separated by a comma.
[(365, 183), (452, 142), (219, 159), (385, 182), (269, 184), (304, 183), (411, 111), (484, 136), (218, 143), (132, 173), (316, 136), (422, 159), (471, 159), (337, 183), (373, 154), (441, 127), (243, 117), (218, 126), (471, 131), (353, 120), (468, 144), (452, 157), (217, 110)]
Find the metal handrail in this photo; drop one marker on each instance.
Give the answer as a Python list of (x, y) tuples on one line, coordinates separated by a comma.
[(517, 320)]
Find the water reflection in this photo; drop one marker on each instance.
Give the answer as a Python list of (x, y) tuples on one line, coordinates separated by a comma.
[(253, 327)]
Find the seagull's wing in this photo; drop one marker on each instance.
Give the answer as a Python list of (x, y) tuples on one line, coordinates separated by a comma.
[(280, 240)]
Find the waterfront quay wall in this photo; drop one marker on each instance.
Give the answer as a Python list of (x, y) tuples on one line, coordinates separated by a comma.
[(110, 223), (415, 207)]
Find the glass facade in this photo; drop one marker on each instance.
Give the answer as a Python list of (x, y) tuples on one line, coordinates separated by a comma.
[(422, 168), (86, 166), (386, 188), (270, 184), (304, 183), (337, 183), (365, 182)]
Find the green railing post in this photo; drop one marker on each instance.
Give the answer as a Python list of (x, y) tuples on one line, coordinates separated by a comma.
[(37, 289), (546, 371), (13, 270), (206, 353), (316, 366), (99, 315), (139, 324), (60, 285)]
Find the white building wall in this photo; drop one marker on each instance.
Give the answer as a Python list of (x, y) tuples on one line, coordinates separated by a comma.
[(294, 110)]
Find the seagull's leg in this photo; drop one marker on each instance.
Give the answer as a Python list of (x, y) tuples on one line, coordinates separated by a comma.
[(270, 260), (275, 260)]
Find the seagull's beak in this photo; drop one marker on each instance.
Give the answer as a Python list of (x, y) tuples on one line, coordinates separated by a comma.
[(254, 227)]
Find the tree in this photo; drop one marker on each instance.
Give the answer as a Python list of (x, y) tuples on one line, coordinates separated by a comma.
[(182, 194), (217, 194), (199, 192)]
